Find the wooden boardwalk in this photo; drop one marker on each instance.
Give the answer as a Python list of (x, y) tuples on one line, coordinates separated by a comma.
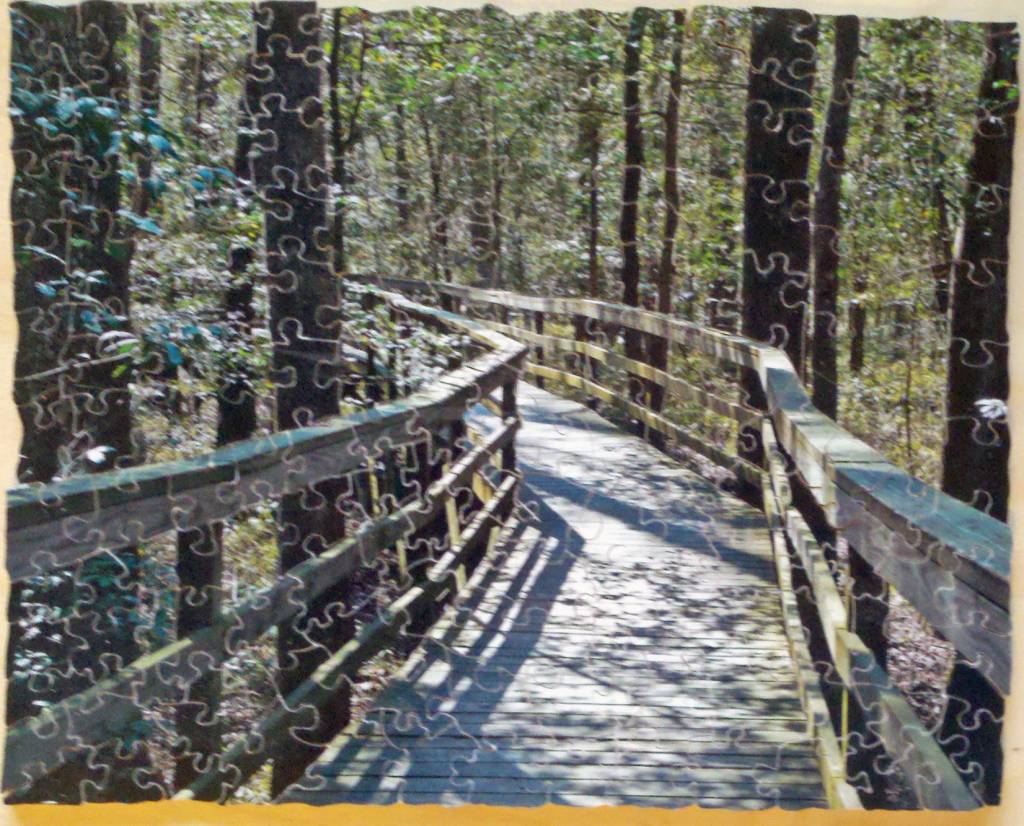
[(625, 647)]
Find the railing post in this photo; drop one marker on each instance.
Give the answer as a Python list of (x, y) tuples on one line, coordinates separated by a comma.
[(538, 326), (971, 732), (197, 719), (509, 409), (867, 608), (584, 364)]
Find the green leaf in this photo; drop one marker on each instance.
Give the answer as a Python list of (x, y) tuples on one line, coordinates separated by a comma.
[(174, 355), (162, 145)]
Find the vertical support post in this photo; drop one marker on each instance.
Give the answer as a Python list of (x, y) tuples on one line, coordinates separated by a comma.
[(538, 326), (200, 563), (971, 732), (197, 718), (509, 410), (868, 607), (584, 365)]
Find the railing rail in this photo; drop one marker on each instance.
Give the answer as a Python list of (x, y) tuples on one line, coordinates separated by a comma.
[(51, 526), (950, 561)]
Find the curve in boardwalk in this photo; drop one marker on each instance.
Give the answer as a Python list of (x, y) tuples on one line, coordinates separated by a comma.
[(624, 647)]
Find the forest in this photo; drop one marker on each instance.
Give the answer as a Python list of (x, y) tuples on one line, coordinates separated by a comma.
[(194, 211)]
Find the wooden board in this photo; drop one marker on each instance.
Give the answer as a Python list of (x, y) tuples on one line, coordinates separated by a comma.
[(590, 637)]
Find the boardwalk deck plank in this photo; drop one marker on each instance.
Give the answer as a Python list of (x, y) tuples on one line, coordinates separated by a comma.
[(629, 649)]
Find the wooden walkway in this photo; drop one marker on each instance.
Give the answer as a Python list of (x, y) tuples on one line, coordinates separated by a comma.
[(625, 647)]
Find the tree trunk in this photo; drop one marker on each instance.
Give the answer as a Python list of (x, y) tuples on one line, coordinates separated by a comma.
[(590, 139), (402, 176), (88, 236), (302, 284), (658, 347), (776, 232), (481, 194), (248, 105), (338, 147), (149, 94), (628, 220), (497, 225), (977, 449), (827, 216), (942, 239), (721, 161), (438, 211)]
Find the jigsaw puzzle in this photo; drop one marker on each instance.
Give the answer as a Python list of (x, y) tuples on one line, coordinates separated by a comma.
[(456, 407)]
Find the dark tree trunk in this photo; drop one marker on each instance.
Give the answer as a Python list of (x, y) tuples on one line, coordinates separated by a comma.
[(942, 239), (776, 230), (302, 285), (248, 105), (202, 60), (338, 147), (590, 150), (631, 178), (858, 331), (402, 176), (480, 216), (824, 353), (977, 449), (93, 239), (149, 93), (38, 221), (658, 347), (497, 225), (780, 127), (438, 211), (721, 162), (593, 210)]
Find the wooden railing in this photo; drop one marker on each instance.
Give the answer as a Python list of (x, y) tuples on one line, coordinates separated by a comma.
[(60, 524), (822, 489)]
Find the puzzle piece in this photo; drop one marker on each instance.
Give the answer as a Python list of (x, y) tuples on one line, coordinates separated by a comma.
[(452, 407)]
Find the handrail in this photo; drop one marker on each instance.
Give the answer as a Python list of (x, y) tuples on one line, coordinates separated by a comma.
[(56, 524), (124, 507)]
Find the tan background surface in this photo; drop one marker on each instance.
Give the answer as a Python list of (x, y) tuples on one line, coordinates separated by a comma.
[(1010, 813)]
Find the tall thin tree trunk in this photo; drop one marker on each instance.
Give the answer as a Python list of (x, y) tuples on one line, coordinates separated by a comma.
[(977, 450), (942, 239), (634, 138), (776, 232), (402, 176), (591, 139), (438, 211), (826, 233), (480, 216), (593, 211), (149, 94), (302, 283), (96, 240), (338, 147), (657, 346), (497, 193)]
